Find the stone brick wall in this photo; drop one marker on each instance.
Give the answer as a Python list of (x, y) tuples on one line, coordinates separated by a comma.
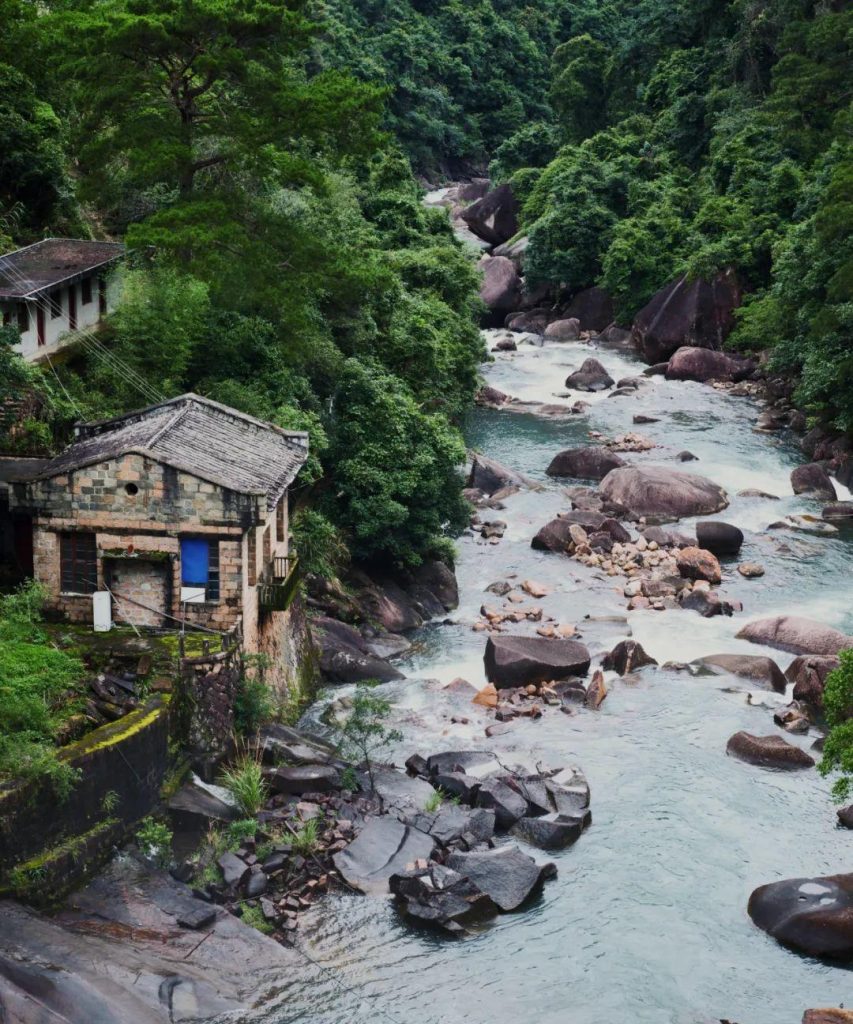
[(163, 496), (166, 505)]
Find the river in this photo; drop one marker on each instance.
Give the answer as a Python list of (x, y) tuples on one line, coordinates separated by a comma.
[(646, 922)]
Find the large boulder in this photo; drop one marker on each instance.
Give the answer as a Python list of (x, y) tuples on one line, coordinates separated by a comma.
[(489, 475), (721, 539), (563, 330), (344, 656), (440, 580), (662, 493), (697, 313), (471, 191), (387, 604), (506, 875), (808, 673), (501, 288), (627, 656), (554, 536), (520, 660), (811, 915), (795, 634), (384, 847), (698, 564), (529, 321), (593, 307), (704, 364), (813, 481), (590, 377), (494, 218), (593, 462), (439, 896), (768, 752), (828, 1015), (753, 667)]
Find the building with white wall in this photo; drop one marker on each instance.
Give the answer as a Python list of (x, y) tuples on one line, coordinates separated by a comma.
[(55, 289)]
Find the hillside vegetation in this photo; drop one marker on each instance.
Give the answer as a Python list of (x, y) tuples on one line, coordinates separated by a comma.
[(259, 159)]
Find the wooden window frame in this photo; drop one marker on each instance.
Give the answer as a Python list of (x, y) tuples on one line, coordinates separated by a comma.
[(279, 519), (252, 557), (78, 563)]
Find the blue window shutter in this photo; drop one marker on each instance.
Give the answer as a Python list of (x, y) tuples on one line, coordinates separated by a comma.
[(195, 561)]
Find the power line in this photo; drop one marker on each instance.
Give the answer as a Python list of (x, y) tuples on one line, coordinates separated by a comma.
[(95, 346)]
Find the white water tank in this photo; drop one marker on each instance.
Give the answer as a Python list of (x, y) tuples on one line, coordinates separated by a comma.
[(102, 615)]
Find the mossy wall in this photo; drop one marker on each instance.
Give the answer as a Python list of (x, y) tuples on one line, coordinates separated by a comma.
[(122, 767)]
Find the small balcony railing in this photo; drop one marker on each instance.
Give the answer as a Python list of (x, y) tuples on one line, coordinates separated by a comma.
[(278, 587)]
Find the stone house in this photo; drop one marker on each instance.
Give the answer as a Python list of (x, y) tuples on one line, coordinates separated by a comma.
[(55, 290), (179, 511)]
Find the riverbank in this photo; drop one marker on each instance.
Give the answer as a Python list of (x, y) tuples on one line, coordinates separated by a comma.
[(682, 833)]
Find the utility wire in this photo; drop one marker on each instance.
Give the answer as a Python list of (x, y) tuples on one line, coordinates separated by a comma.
[(94, 347)]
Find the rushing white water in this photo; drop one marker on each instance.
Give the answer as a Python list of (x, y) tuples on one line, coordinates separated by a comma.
[(647, 922)]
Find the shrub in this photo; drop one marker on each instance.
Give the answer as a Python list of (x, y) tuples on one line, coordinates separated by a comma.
[(253, 704), (306, 839), (244, 780), (154, 840), (838, 704), (364, 734)]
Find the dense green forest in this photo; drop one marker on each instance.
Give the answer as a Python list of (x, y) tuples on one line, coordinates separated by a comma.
[(260, 158)]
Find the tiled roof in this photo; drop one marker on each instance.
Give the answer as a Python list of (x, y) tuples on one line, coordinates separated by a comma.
[(42, 266), (197, 436)]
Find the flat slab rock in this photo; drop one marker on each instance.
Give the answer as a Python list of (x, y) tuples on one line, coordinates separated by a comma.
[(754, 667), (812, 915), (383, 848), (450, 822), (768, 752), (519, 660), (506, 875), (796, 634), (663, 493)]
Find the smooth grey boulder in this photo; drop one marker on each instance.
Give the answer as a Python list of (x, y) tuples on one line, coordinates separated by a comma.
[(382, 848), (521, 660), (811, 915), (96, 961), (662, 492), (489, 475), (754, 667), (563, 330), (813, 481), (808, 673), (501, 287), (591, 376), (704, 364), (721, 539), (506, 875), (344, 655), (768, 752), (626, 656), (494, 218), (592, 462), (554, 536), (796, 634)]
